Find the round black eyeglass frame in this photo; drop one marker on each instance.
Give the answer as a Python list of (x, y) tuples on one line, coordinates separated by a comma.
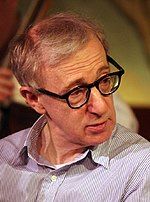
[(88, 86)]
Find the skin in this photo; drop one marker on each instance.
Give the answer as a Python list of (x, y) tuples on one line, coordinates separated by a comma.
[(6, 84), (70, 131)]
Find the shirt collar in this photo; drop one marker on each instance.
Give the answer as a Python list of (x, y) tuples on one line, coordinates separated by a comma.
[(99, 154), (30, 145)]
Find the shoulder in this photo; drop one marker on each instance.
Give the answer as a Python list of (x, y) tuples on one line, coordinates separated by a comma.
[(123, 136), (11, 145), (132, 156), (130, 147)]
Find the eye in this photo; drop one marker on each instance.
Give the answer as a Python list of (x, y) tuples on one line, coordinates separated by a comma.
[(78, 96), (105, 85), (106, 81), (78, 92)]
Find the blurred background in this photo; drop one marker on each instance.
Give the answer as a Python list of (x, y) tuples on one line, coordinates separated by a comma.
[(127, 27)]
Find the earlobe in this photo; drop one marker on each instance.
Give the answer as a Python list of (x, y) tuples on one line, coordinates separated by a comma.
[(32, 99)]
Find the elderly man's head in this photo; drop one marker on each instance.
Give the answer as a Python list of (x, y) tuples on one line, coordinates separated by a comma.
[(63, 67)]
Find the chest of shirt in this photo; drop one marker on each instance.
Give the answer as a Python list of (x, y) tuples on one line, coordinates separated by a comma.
[(81, 182)]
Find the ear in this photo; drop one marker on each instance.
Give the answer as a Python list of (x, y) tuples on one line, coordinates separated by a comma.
[(32, 99)]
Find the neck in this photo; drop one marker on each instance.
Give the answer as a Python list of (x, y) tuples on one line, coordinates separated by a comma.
[(56, 149)]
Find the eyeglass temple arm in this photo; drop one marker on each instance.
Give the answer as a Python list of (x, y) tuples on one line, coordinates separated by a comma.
[(112, 61), (43, 91)]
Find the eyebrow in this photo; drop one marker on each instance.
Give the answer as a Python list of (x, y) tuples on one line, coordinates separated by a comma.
[(102, 69), (76, 83), (82, 81)]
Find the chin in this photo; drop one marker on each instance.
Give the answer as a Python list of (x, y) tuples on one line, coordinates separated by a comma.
[(94, 141)]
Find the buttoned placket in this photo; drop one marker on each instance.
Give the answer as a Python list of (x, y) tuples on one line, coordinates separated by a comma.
[(50, 185)]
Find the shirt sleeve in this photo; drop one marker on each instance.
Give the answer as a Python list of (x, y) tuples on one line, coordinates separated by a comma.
[(141, 190)]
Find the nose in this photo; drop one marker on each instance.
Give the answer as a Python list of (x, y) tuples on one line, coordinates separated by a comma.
[(97, 103)]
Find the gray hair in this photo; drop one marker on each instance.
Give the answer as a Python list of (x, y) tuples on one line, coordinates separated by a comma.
[(48, 43)]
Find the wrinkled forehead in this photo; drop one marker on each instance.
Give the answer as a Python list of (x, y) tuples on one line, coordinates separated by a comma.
[(85, 64)]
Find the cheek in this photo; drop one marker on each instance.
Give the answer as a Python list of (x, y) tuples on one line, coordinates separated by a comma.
[(60, 113)]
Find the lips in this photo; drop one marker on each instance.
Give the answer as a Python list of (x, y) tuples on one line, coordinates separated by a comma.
[(96, 128)]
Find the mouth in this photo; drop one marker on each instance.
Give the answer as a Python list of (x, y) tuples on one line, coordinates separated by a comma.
[(96, 128)]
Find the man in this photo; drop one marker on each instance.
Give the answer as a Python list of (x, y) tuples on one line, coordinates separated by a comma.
[(75, 151)]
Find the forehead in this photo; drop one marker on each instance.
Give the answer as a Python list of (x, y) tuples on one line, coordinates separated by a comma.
[(85, 64)]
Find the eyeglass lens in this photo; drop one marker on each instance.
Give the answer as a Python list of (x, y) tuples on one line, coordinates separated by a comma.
[(106, 86), (78, 97)]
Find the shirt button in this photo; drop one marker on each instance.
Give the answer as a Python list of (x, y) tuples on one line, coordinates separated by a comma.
[(53, 178)]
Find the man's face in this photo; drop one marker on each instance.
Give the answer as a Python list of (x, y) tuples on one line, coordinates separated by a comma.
[(92, 123)]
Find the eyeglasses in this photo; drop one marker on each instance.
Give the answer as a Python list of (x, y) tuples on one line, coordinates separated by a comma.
[(79, 96)]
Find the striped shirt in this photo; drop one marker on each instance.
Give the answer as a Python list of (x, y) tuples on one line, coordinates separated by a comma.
[(115, 171)]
